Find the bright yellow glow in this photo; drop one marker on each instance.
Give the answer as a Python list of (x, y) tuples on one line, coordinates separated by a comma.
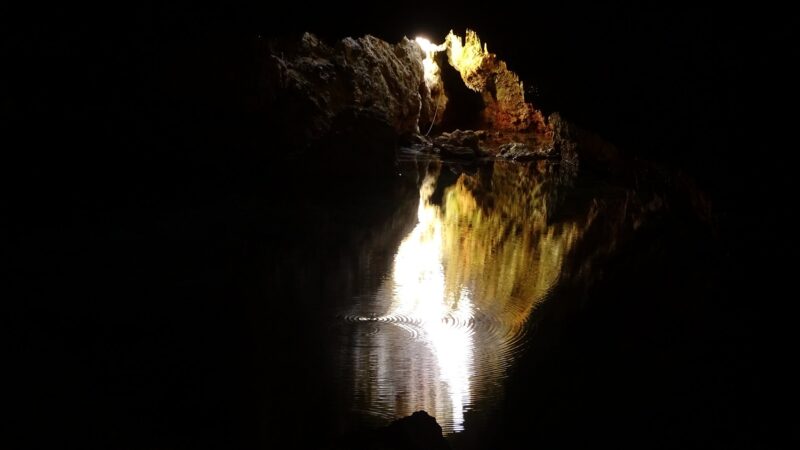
[(511, 256), (429, 64), (502, 90), (463, 283), (419, 293), (467, 57)]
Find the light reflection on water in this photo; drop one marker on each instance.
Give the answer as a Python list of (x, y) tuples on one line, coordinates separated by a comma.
[(449, 317)]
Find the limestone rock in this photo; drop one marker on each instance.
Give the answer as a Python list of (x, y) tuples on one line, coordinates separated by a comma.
[(460, 144), (517, 151), (502, 90), (311, 83)]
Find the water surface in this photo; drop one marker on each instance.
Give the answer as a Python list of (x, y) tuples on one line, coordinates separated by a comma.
[(449, 315)]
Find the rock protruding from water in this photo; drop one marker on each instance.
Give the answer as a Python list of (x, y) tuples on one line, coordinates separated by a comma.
[(459, 144), (517, 151), (419, 431)]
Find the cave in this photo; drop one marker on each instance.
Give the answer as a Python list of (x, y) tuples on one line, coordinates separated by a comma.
[(235, 235), (465, 107)]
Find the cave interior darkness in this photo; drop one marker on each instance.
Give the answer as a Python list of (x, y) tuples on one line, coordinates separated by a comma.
[(146, 114)]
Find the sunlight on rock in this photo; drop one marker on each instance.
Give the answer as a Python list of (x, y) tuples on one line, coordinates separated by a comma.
[(432, 76), (502, 90), (467, 58)]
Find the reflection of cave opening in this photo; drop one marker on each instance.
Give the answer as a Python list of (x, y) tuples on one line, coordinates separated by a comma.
[(464, 106), (449, 318)]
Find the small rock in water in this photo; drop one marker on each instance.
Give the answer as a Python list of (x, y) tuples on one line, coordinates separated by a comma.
[(517, 151)]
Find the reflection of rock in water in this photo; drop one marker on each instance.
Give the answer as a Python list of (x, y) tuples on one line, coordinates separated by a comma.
[(449, 317), (507, 252)]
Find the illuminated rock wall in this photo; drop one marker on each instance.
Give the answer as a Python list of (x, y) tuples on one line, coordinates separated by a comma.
[(502, 90), (315, 90)]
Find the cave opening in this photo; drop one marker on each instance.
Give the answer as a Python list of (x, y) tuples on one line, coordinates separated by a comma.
[(465, 107)]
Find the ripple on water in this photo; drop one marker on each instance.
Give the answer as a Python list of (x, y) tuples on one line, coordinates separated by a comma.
[(449, 318), (409, 371)]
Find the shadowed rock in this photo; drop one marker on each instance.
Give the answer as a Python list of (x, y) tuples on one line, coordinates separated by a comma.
[(418, 431), (572, 142), (460, 144), (311, 84)]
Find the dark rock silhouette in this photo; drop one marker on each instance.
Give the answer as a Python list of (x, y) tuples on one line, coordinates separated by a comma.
[(418, 431), (465, 106), (572, 142)]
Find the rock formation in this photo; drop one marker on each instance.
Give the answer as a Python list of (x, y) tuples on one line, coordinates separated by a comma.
[(459, 144), (570, 141), (418, 431), (517, 151), (354, 100), (312, 85), (502, 90)]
